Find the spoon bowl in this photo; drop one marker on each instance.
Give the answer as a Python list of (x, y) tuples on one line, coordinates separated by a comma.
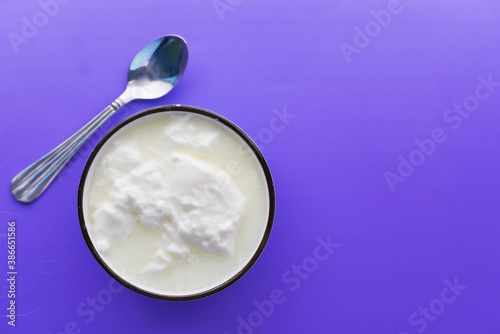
[(153, 72), (157, 68)]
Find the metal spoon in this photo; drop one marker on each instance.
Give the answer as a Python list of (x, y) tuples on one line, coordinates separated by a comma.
[(153, 73)]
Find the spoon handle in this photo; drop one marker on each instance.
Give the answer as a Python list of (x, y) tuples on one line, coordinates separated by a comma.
[(31, 182)]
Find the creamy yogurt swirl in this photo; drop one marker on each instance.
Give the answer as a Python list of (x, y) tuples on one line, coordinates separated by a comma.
[(191, 203)]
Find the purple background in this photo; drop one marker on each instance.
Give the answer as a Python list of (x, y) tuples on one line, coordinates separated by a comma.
[(354, 115)]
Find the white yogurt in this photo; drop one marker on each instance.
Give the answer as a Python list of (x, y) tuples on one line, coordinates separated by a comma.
[(176, 203)]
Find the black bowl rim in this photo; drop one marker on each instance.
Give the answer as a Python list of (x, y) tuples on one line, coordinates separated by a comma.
[(231, 126)]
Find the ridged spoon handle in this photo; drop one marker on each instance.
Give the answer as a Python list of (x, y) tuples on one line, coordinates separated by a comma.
[(32, 181)]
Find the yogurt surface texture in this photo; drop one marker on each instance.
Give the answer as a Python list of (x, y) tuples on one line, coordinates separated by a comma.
[(176, 203)]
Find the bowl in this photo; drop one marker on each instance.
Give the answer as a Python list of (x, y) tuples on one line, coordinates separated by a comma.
[(176, 202)]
